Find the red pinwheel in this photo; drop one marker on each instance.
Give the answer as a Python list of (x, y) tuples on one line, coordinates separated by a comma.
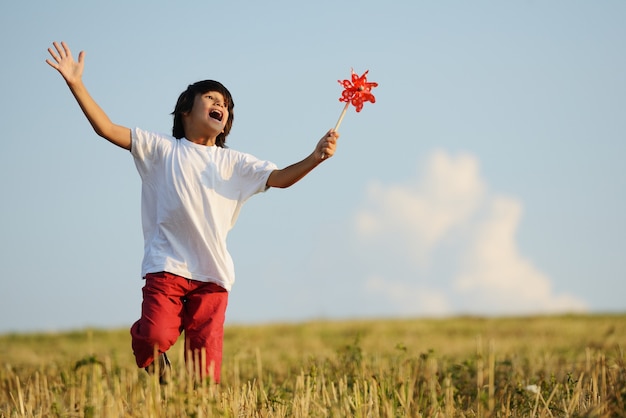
[(356, 91)]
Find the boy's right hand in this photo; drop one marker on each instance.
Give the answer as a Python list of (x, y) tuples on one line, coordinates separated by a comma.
[(64, 63), (72, 72)]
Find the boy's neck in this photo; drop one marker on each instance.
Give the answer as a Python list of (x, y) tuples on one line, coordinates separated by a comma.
[(201, 136), (207, 141)]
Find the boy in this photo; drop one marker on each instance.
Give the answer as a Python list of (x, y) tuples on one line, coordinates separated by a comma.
[(193, 188)]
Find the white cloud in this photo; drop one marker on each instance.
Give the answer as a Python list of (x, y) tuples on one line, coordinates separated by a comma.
[(484, 273), (495, 275), (420, 215)]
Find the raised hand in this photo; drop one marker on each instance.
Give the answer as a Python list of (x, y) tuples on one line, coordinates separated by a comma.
[(72, 72), (326, 146), (64, 63)]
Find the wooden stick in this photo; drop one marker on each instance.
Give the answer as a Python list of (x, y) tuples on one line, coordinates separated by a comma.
[(343, 113)]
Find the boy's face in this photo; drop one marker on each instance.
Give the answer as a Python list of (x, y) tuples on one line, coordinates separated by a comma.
[(209, 113)]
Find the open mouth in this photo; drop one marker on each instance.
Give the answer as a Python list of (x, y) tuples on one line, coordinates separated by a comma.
[(216, 114)]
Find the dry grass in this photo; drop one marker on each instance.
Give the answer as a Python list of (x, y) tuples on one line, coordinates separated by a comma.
[(461, 367)]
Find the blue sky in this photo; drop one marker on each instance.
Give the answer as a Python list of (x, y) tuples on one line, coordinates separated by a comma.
[(487, 179)]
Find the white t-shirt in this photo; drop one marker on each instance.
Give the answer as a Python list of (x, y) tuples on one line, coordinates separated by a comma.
[(190, 199)]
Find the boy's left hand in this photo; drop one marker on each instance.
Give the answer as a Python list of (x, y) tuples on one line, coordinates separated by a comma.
[(326, 146)]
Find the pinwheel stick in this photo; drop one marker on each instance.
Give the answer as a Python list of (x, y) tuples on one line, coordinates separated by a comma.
[(343, 113)]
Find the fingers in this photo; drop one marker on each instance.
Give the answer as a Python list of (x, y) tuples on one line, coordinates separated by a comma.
[(55, 57), (52, 64), (328, 143), (61, 52), (66, 49)]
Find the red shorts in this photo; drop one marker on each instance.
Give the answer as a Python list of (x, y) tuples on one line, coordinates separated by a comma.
[(173, 304)]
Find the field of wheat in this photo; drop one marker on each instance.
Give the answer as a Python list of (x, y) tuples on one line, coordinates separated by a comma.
[(553, 366)]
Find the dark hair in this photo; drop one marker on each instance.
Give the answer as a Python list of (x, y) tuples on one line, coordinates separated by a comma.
[(185, 103)]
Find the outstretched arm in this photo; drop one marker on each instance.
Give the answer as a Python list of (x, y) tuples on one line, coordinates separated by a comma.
[(72, 73), (288, 176)]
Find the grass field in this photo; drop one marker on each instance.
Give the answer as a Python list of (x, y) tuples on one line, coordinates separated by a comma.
[(555, 366)]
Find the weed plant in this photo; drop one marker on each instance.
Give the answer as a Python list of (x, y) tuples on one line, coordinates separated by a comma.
[(555, 366)]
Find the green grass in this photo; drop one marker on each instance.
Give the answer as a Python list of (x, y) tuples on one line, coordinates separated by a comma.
[(551, 366)]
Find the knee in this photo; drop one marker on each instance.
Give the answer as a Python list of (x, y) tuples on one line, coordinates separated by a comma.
[(162, 339), (154, 336)]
